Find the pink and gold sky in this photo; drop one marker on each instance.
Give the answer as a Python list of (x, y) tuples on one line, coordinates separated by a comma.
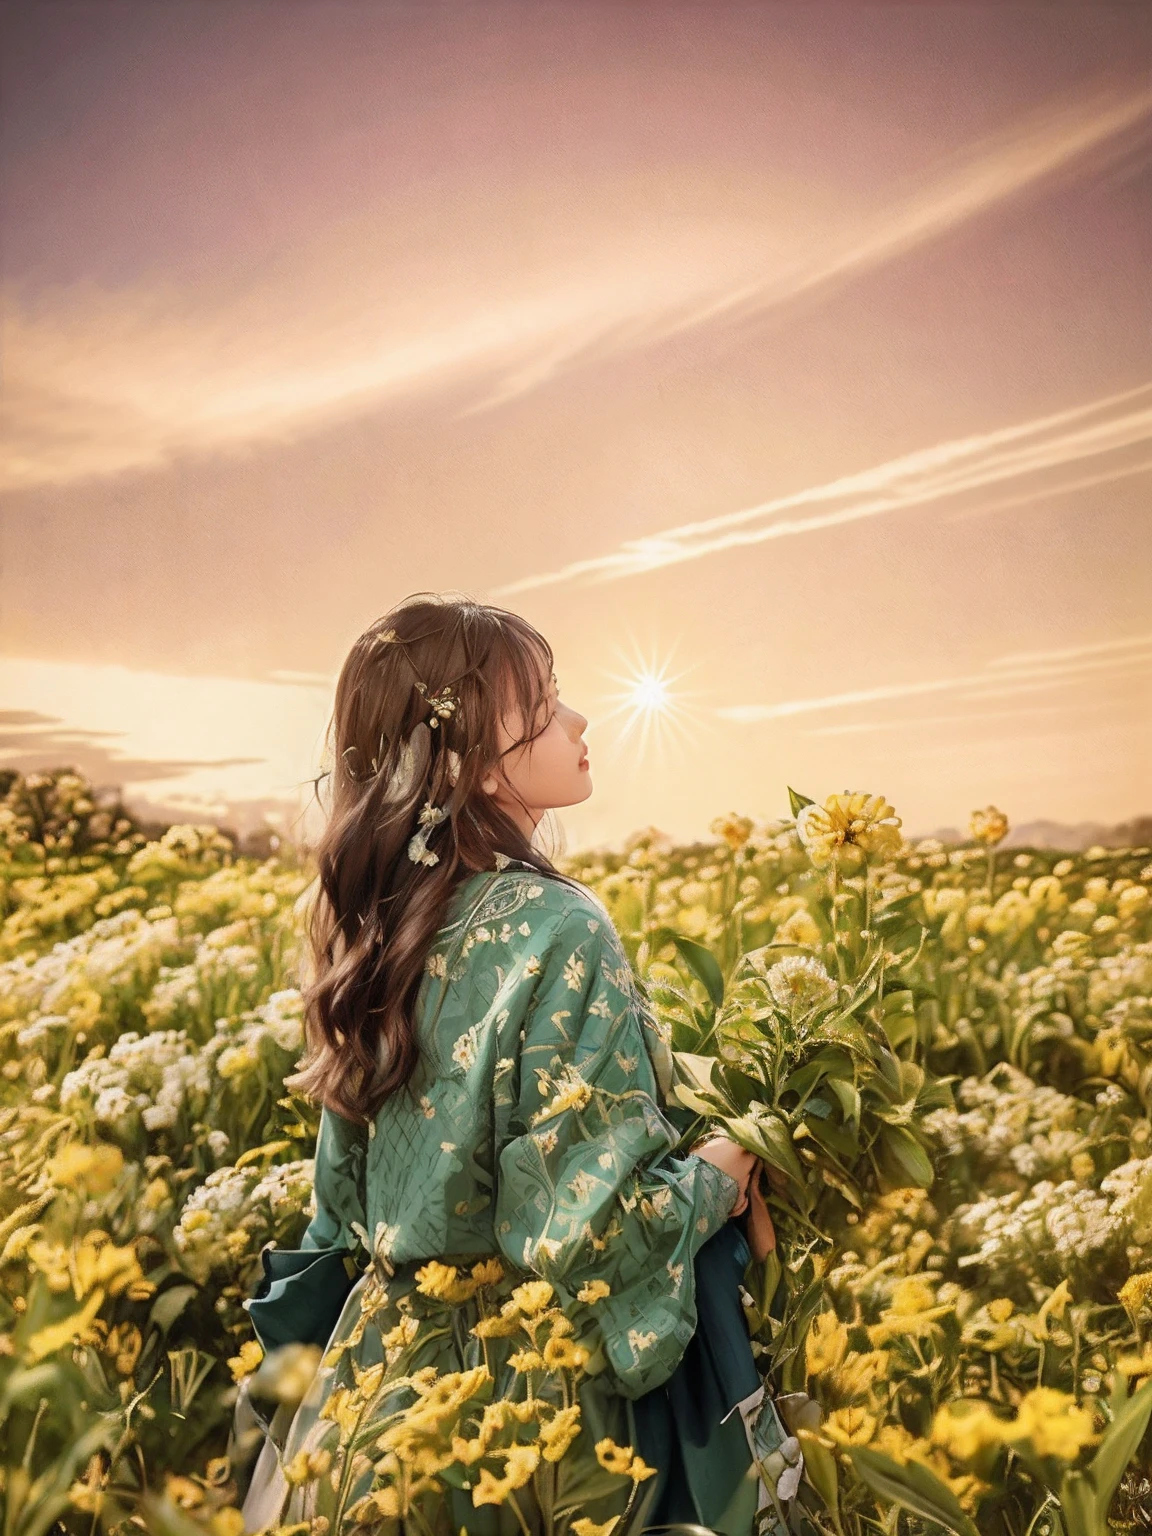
[(801, 351)]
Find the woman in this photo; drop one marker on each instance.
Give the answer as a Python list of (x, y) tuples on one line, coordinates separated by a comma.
[(505, 1261)]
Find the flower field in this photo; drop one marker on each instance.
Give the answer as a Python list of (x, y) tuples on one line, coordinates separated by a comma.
[(943, 1054)]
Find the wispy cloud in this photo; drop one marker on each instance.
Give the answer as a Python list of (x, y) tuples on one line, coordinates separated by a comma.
[(1026, 672), (961, 465), (98, 382)]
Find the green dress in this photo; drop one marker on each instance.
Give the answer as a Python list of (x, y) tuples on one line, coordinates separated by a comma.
[(534, 1147)]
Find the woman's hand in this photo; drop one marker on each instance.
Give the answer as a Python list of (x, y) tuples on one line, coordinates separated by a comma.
[(735, 1160)]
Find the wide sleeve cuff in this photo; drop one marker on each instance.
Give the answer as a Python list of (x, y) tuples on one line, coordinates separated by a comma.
[(300, 1295)]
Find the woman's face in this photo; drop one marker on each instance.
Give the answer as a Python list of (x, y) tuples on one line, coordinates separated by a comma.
[(543, 774)]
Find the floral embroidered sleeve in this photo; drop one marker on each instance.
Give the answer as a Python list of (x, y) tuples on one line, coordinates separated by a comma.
[(301, 1290), (589, 1194)]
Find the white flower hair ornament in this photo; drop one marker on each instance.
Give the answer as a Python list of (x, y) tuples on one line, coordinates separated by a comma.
[(418, 849)]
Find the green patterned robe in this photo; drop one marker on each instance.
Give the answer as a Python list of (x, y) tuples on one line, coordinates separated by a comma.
[(535, 1133)]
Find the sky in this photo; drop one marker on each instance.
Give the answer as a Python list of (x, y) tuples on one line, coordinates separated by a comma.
[(798, 355)]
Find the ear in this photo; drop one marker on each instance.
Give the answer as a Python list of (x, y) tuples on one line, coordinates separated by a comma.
[(489, 784)]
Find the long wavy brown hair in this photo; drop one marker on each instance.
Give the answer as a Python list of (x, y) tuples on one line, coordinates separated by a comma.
[(376, 911)]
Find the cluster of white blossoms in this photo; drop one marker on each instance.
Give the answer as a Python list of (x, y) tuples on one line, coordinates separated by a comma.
[(239, 1044), (153, 1078), (236, 1211), (1007, 1118), (118, 954), (175, 999), (1121, 977), (1055, 1228)]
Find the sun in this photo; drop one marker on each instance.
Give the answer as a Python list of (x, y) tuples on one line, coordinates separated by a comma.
[(652, 710)]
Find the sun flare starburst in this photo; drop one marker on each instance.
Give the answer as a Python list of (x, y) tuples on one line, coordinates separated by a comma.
[(651, 709)]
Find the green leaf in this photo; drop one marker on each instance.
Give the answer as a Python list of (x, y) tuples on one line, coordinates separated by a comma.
[(820, 1470), (797, 801), (1118, 1447), (703, 965), (769, 1138), (913, 1487), (708, 1107), (908, 1154), (169, 1304), (1078, 1507), (696, 1071), (849, 1096)]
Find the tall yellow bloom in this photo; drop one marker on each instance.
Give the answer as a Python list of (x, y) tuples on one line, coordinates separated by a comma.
[(850, 1426), (92, 1169), (964, 1429), (988, 826), (1054, 1423), (848, 827), (531, 1297), (440, 1281), (826, 1344), (560, 1431)]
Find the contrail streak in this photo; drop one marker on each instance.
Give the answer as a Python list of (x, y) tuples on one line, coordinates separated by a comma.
[(1038, 669), (915, 479)]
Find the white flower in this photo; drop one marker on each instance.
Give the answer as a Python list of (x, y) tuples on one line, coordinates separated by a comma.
[(800, 981)]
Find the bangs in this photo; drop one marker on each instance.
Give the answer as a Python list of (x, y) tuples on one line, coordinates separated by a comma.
[(526, 674)]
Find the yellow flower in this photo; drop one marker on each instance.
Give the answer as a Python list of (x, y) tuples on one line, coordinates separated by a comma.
[(88, 1495), (526, 1360), (228, 1521), (502, 1327), (466, 1452), (1136, 1292), (488, 1272), (1001, 1309), (343, 1409), (439, 1281), (563, 1354), (859, 1372), (735, 830), (911, 1295), (93, 1169), (384, 1504), (988, 826), (521, 1461), (76, 1329), (123, 1344), (964, 1429), (445, 1396), (558, 1434), (1055, 1305), (586, 1527), (594, 1290), (640, 1471), (243, 1364), (307, 1466), (401, 1335), (1136, 1365), (850, 1426), (531, 1297), (895, 1441), (1054, 1423), (182, 1491), (368, 1378), (613, 1457), (826, 1344), (848, 827)]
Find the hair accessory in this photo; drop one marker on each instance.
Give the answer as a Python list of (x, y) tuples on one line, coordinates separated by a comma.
[(443, 703), (418, 850)]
